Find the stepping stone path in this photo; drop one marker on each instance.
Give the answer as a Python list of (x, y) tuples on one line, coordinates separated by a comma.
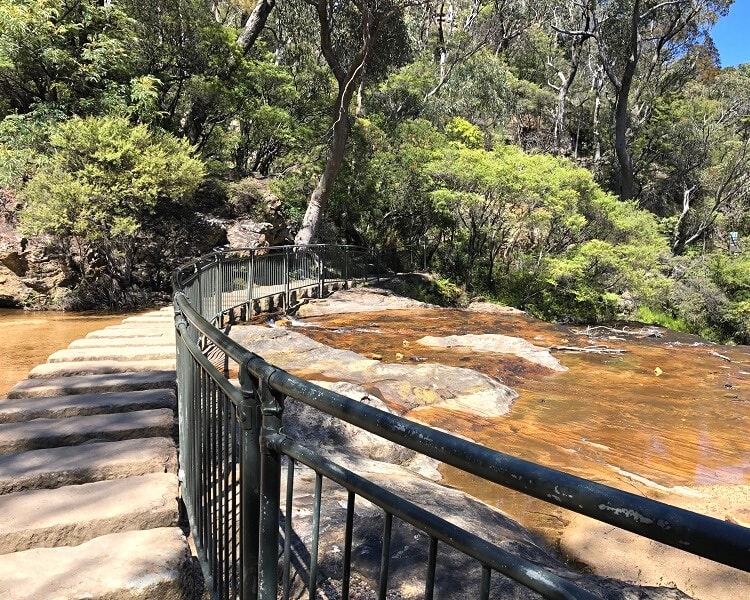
[(88, 472)]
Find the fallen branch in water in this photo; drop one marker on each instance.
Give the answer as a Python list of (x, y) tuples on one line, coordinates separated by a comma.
[(592, 349), (642, 332), (717, 355)]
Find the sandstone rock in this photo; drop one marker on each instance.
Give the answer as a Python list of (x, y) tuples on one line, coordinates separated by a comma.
[(502, 344), (363, 299), (132, 565), (402, 386)]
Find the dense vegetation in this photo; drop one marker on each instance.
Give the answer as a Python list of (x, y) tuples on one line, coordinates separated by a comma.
[(582, 160)]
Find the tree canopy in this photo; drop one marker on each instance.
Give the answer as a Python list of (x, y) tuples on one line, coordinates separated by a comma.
[(583, 160)]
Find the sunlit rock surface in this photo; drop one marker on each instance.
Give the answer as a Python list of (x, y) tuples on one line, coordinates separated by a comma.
[(493, 342)]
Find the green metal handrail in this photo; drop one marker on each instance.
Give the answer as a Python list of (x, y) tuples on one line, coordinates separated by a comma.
[(232, 443)]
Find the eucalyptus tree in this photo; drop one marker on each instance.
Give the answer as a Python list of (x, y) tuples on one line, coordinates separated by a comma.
[(640, 43), (71, 55), (699, 149), (349, 33)]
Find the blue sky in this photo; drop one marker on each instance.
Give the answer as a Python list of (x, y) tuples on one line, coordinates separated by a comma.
[(731, 33)]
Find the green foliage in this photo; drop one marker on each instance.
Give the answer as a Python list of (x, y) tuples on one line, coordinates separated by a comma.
[(426, 288), (71, 56), (463, 132), (105, 177)]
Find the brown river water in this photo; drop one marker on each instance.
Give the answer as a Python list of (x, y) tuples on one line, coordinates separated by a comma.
[(30, 337), (669, 412)]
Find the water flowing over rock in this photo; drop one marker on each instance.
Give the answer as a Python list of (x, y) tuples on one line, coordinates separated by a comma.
[(407, 387)]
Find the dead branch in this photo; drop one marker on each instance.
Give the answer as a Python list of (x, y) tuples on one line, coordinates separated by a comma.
[(590, 349)]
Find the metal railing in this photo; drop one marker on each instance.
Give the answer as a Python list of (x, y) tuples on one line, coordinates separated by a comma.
[(218, 283), (232, 445)]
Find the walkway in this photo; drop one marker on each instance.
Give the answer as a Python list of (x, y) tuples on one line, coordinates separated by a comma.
[(88, 471)]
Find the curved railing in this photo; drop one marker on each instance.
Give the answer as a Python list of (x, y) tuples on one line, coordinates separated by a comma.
[(232, 445), (218, 283)]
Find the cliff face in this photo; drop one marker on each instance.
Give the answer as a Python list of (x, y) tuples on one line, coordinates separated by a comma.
[(32, 274), (39, 273)]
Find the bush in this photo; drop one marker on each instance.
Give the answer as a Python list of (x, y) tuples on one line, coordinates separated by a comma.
[(105, 177)]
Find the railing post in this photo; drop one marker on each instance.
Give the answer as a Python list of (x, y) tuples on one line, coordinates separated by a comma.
[(217, 280), (286, 277), (250, 278), (249, 481), (321, 272), (271, 409)]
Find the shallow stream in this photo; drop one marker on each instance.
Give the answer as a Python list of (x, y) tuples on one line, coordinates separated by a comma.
[(670, 411), (28, 338)]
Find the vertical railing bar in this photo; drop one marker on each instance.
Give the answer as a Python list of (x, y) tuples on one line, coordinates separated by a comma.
[(235, 535), (288, 529), (225, 464), (250, 283), (484, 592), (270, 487), (315, 536), (217, 283), (213, 494), (249, 480), (385, 557), (429, 589), (348, 533)]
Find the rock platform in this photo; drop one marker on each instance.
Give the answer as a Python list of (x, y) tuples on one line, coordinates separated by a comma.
[(88, 472)]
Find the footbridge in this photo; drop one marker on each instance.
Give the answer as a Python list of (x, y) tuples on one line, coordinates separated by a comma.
[(239, 463), (95, 503)]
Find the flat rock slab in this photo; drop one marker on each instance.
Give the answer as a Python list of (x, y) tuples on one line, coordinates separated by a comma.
[(49, 433), (159, 318), (73, 465), (74, 514), (501, 344), (133, 565), (99, 367), (403, 387), (114, 382), (358, 300), (129, 331), (123, 352), (118, 342), (57, 407)]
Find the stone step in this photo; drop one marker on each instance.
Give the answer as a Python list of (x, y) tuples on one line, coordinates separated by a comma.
[(128, 331), (124, 352), (104, 342), (51, 433), (99, 367), (133, 565), (151, 318), (59, 407), (74, 514), (73, 465), (96, 383)]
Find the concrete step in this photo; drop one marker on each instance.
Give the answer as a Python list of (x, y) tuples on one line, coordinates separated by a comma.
[(60, 407), (151, 319), (74, 514), (96, 383), (123, 352), (128, 331), (99, 367), (51, 433), (118, 342), (134, 565), (73, 465)]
